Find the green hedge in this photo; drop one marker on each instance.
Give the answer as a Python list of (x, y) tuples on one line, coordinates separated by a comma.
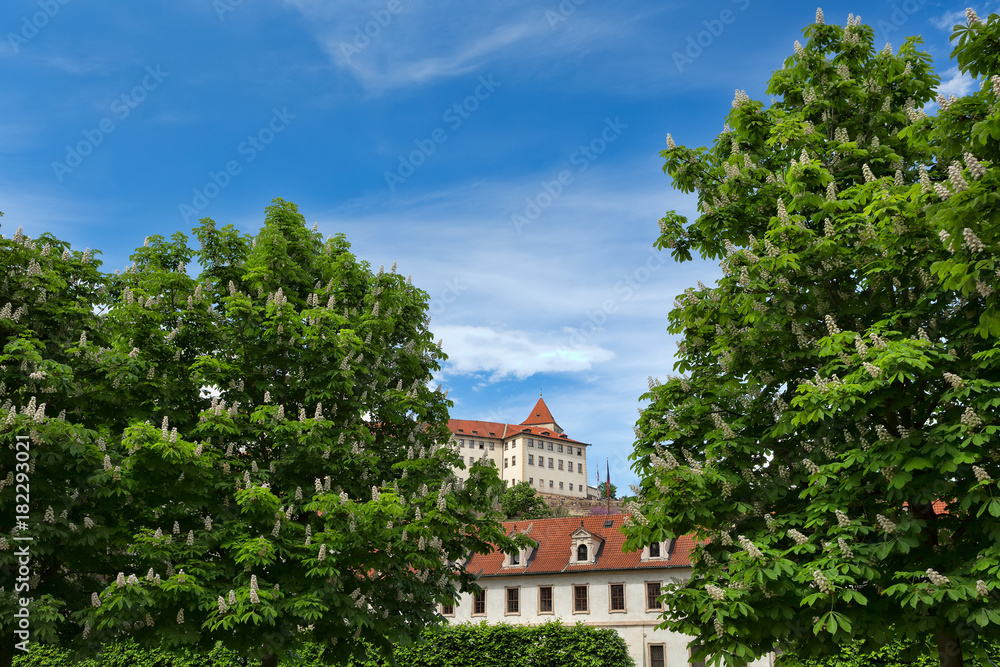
[(896, 654), (549, 645)]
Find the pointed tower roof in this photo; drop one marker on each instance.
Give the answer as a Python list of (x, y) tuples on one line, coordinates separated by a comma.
[(540, 416)]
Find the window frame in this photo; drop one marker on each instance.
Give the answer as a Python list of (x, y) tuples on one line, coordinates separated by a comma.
[(662, 662), (576, 598), (531, 459), (479, 599), (551, 600), (585, 550), (649, 598), (611, 598), (516, 591), (695, 663), (445, 608)]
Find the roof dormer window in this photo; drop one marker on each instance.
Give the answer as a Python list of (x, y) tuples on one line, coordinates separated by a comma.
[(581, 553)]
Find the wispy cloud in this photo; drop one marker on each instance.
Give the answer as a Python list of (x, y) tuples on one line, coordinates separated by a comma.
[(502, 354), (464, 58), (954, 82), (948, 20), (423, 43)]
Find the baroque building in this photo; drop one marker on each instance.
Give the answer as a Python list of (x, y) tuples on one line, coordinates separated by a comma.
[(536, 451), (578, 572)]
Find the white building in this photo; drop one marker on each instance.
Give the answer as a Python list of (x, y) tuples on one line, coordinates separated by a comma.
[(536, 451), (578, 572)]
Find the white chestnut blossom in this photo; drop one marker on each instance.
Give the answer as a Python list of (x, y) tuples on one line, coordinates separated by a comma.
[(821, 581), (937, 579), (884, 523), (970, 419), (750, 547), (972, 241)]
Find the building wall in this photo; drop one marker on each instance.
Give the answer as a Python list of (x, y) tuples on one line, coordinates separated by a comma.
[(527, 468), (636, 624), (515, 451)]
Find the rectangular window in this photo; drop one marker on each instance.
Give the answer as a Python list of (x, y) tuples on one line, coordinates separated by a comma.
[(531, 443), (491, 446), (550, 446), (695, 662), (579, 467), (505, 463), (654, 550), (580, 600), (513, 600), (447, 610), (461, 442), (560, 485), (479, 603), (482, 445), (579, 452), (531, 480), (652, 593), (560, 464), (515, 558), (559, 449), (544, 599), (617, 597), (550, 462), (550, 483), (656, 657), (505, 446), (472, 460), (541, 460), (531, 459)]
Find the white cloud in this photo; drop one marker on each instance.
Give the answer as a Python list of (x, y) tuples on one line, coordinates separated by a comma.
[(427, 42), (479, 349), (949, 19), (954, 82)]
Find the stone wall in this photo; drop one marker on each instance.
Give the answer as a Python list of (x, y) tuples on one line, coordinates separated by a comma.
[(580, 506)]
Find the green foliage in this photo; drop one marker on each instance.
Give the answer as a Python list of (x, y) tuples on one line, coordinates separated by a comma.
[(521, 501), (895, 654), (441, 646), (602, 490), (267, 428), (832, 440)]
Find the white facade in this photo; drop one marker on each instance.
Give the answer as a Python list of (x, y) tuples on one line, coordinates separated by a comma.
[(580, 574), (535, 451)]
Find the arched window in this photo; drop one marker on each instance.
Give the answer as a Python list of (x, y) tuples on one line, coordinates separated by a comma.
[(581, 552), (654, 550)]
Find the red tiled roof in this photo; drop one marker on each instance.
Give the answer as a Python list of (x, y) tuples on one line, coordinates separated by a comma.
[(539, 414), (553, 553), (470, 428)]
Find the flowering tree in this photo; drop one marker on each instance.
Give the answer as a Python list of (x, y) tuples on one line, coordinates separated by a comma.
[(831, 441), (275, 445)]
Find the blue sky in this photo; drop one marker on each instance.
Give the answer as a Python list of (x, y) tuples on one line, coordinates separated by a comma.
[(504, 153)]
